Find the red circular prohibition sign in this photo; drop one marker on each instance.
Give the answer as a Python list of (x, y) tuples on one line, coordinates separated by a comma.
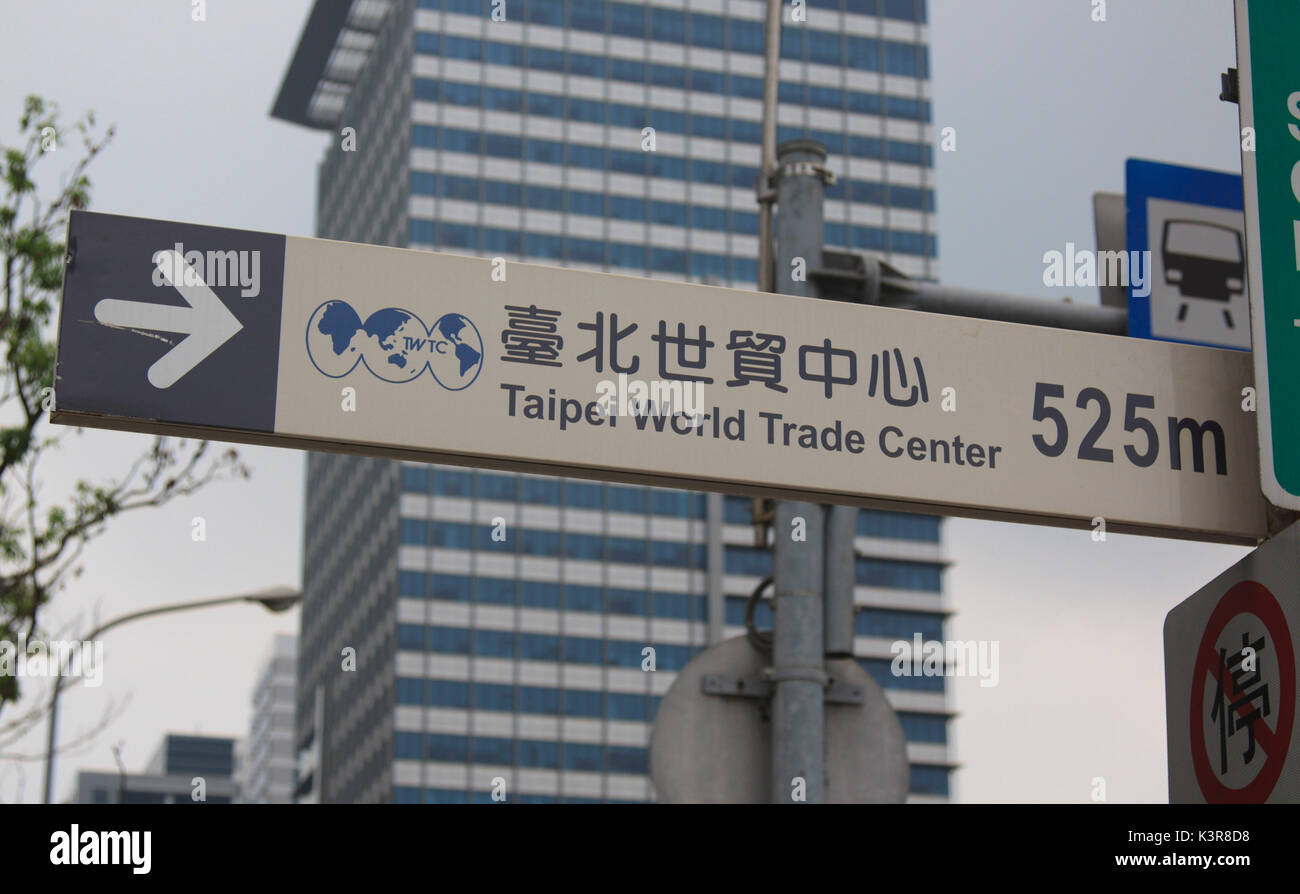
[(1246, 596)]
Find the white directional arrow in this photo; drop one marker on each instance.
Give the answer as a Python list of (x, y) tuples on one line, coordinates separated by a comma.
[(207, 323)]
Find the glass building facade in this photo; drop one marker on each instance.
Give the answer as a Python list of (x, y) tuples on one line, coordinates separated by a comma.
[(529, 136), (266, 769), (505, 617)]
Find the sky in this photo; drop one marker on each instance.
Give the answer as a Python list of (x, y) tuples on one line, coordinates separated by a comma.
[(1047, 105)]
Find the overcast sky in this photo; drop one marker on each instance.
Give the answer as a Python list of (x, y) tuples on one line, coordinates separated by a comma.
[(1047, 105)]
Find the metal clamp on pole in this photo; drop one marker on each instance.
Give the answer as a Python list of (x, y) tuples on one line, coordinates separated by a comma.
[(808, 674), (808, 169)]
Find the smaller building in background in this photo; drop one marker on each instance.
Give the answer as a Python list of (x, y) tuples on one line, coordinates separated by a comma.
[(170, 776), (266, 773)]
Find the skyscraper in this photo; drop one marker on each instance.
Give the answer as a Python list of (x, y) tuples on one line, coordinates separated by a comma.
[(606, 135), (266, 771)]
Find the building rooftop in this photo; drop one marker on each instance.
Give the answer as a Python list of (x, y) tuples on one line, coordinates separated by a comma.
[(335, 44), (185, 753)]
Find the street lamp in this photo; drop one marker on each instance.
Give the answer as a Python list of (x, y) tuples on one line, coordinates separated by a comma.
[(274, 599)]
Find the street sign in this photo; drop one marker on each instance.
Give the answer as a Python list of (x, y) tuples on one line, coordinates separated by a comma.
[(715, 747), (473, 361), (1269, 77), (1230, 682), (1186, 227)]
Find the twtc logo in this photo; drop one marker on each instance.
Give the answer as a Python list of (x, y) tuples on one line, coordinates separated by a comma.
[(395, 345)]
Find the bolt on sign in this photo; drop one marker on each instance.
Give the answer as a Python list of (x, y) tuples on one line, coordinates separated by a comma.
[(1230, 682), (308, 343)]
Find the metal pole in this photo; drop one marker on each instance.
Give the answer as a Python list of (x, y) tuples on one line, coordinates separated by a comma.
[(801, 196), (716, 557), (767, 161), (841, 526), (798, 673), (798, 676), (121, 773), (51, 732), (869, 280), (940, 299)]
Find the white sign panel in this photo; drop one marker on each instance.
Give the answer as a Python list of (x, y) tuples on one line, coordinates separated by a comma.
[(1198, 281), (467, 360)]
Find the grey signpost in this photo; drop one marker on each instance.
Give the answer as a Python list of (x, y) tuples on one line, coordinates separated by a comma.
[(799, 620)]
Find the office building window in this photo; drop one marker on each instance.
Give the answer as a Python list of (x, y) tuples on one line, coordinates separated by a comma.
[(412, 583), (582, 598), (415, 479), (454, 587), (881, 670), (453, 483), (494, 697), (932, 728), (897, 624), (925, 780), (898, 574), (415, 531), (406, 745)]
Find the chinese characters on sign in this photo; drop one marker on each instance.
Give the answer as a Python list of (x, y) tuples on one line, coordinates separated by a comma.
[(532, 336), (1243, 703)]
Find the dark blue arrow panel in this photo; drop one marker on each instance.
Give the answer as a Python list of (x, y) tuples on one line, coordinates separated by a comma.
[(103, 369)]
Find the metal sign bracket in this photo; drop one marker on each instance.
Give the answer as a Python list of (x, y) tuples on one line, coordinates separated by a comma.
[(837, 692)]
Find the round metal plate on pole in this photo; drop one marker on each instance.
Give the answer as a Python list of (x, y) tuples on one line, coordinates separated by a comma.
[(715, 746)]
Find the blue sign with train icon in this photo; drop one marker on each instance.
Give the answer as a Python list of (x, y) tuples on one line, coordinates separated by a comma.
[(1189, 225)]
